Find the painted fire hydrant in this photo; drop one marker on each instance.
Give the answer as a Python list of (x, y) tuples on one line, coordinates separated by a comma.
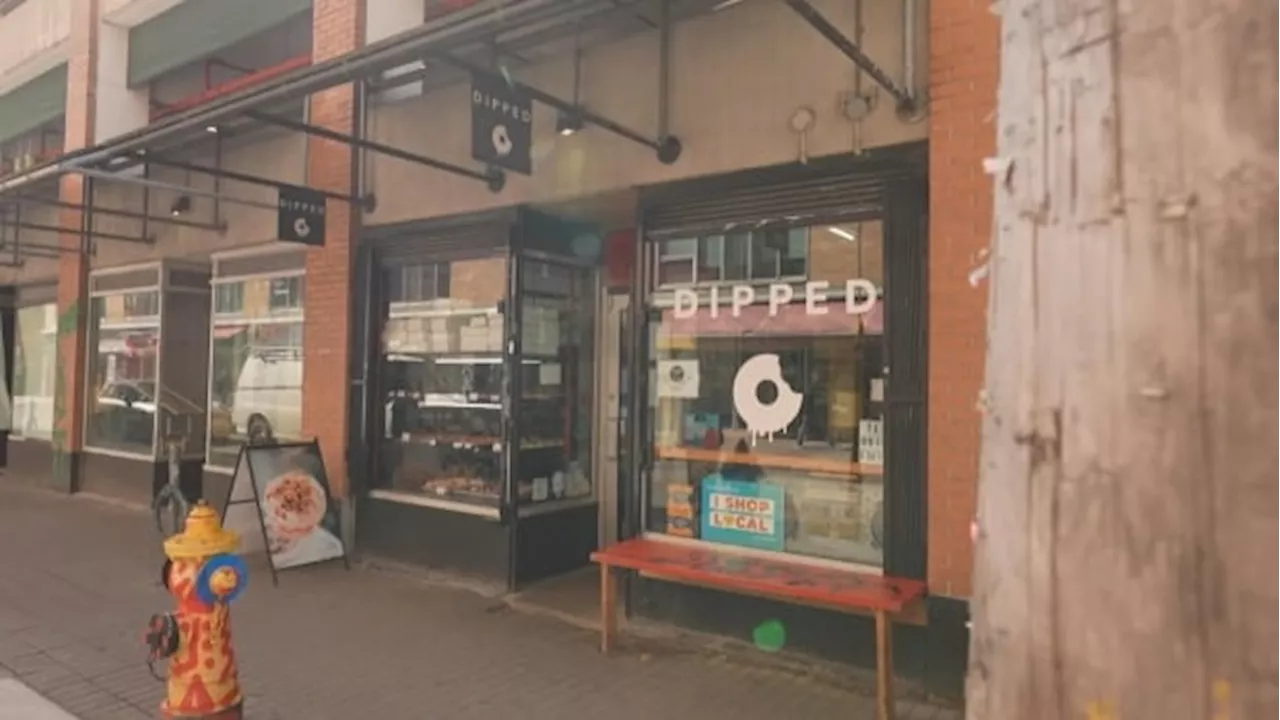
[(204, 576)]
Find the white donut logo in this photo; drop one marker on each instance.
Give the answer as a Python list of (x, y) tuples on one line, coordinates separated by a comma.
[(501, 140), (764, 419)]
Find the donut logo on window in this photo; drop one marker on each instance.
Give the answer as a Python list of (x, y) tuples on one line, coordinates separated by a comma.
[(764, 418)]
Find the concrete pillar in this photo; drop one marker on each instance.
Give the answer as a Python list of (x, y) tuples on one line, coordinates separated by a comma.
[(118, 109), (338, 28), (73, 267)]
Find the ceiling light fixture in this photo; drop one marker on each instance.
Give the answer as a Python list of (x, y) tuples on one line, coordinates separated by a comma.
[(841, 232), (181, 205), (568, 123), (211, 129)]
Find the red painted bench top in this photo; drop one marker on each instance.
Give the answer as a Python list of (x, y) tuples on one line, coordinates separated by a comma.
[(779, 578)]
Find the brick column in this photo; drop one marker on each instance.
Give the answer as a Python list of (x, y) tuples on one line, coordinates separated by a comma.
[(964, 56), (338, 28), (73, 267)]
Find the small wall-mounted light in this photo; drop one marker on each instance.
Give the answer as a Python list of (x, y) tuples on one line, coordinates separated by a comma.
[(181, 205), (568, 123), (212, 129)]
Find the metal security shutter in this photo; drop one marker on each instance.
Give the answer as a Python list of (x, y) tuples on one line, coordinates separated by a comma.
[(34, 103), (197, 29), (444, 239), (822, 191), (907, 356)]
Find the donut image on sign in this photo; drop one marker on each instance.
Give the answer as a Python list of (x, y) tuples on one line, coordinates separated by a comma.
[(762, 419), (501, 140)]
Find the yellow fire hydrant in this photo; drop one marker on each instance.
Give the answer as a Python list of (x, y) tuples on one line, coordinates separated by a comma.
[(204, 576)]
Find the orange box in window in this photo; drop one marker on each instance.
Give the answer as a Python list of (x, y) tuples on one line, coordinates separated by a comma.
[(680, 510)]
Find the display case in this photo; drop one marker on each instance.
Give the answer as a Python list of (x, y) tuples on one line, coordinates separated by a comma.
[(480, 406)]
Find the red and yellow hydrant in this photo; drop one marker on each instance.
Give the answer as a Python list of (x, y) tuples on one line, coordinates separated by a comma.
[(204, 576)]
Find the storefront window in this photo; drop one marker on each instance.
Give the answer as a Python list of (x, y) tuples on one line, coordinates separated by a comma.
[(256, 375), (767, 391), (557, 376), (441, 380), (125, 328), (34, 365)]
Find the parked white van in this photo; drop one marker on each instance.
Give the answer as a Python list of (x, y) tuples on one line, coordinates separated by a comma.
[(268, 397)]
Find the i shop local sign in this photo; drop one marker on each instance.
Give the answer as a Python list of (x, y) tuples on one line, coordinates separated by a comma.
[(737, 512)]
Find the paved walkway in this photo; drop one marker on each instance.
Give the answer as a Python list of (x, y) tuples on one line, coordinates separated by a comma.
[(79, 577)]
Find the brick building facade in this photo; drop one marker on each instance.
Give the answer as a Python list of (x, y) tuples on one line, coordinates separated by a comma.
[(735, 109)]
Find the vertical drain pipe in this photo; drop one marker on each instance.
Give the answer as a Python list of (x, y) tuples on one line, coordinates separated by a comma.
[(909, 81), (664, 70), (857, 79)]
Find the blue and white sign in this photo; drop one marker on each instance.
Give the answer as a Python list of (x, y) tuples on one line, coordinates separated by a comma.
[(750, 514)]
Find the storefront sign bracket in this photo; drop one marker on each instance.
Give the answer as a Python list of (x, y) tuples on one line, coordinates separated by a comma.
[(668, 147), (366, 202), (493, 177), (907, 101)]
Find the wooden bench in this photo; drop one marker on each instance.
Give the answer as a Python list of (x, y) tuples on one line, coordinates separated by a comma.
[(834, 589)]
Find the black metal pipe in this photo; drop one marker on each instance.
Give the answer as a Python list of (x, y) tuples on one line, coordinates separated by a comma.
[(459, 28), (372, 146), (561, 105), (76, 231), (664, 68), (129, 214), (852, 51), (242, 177)]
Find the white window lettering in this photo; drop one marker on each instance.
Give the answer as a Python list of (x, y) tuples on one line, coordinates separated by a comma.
[(686, 303), (855, 305), (715, 301), (779, 295), (815, 292), (743, 295)]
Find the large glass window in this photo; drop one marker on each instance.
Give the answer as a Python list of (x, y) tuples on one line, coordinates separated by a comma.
[(255, 388), (125, 328), (34, 367), (441, 380), (557, 375), (767, 389)]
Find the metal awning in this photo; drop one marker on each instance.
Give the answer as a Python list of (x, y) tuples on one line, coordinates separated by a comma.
[(443, 51)]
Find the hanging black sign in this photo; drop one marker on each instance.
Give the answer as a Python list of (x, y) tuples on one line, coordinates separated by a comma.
[(300, 215), (501, 123)]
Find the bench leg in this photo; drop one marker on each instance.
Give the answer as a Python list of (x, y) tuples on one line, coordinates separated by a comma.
[(884, 666), (608, 608)]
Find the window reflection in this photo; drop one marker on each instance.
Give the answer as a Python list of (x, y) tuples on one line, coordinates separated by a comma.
[(256, 375), (767, 392), (557, 375), (34, 370), (122, 408), (442, 379)]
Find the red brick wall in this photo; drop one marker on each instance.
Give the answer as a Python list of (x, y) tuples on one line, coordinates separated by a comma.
[(963, 69), (338, 28), (73, 268)]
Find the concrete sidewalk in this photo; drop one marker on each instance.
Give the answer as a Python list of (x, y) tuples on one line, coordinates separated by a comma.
[(81, 576)]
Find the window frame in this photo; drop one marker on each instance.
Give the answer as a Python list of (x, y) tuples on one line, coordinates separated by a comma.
[(51, 330), (661, 257), (275, 316), (93, 334), (651, 295)]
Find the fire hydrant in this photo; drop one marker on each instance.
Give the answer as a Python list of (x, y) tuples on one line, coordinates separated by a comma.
[(204, 576)]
